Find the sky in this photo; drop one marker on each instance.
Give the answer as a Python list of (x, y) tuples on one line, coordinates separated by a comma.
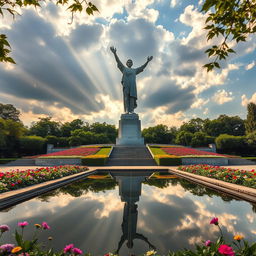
[(67, 71)]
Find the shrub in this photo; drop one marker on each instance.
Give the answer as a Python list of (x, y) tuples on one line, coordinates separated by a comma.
[(94, 160), (167, 160), (230, 144), (57, 141), (32, 145), (184, 138)]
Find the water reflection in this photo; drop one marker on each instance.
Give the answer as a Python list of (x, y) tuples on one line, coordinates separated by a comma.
[(130, 191), (128, 211)]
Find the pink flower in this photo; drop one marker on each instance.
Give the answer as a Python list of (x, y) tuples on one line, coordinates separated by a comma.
[(214, 221), (226, 250), (77, 251), (68, 248), (6, 247), (4, 228), (207, 243), (23, 224), (45, 225)]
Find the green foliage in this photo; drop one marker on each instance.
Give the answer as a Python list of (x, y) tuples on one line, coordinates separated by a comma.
[(80, 137), (103, 128), (168, 161), (230, 144), (184, 138), (45, 126), (8, 111), (10, 7), (99, 161), (68, 127), (57, 141), (159, 134), (193, 125), (250, 122), (233, 21), (32, 145), (200, 139)]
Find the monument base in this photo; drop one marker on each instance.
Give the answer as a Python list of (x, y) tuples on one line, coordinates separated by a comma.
[(129, 132)]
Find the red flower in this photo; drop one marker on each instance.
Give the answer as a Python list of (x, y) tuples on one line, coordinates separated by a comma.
[(214, 221), (226, 250)]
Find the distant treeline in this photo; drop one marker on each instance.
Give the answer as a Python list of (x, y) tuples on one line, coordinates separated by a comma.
[(230, 133)]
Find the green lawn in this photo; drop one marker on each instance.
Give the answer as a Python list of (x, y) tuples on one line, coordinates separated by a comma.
[(157, 151), (104, 151)]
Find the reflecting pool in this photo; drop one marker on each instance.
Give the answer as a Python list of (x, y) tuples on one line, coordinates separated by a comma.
[(132, 212)]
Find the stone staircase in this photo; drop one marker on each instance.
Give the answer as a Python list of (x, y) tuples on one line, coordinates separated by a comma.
[(130, 156), (22, 162)]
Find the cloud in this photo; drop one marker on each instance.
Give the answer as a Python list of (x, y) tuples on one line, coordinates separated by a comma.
[(246, 101), (250, 65), (86, 36), (222, 96), (168, 94), (199, 103)]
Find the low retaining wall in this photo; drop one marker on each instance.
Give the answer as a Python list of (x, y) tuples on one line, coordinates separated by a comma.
[(57, 161), (238, 191), (204, 160)]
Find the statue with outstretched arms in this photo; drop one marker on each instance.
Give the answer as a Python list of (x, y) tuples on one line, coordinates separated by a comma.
[(129, 81)]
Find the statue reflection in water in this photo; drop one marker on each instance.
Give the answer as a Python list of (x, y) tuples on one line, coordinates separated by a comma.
[(130, 191)]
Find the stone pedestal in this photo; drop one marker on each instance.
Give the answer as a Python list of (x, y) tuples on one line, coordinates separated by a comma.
[(129, 132)]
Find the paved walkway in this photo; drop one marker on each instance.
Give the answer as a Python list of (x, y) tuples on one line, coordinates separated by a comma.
[(4, 168)]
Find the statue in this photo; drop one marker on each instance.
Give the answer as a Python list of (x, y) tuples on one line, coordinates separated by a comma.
[(129, 81)]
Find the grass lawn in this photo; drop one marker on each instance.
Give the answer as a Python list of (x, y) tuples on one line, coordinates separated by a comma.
[(104, 151), (157, 151)]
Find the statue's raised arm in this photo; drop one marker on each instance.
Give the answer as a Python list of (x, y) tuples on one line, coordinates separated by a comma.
[(141, 68), (120, 65)]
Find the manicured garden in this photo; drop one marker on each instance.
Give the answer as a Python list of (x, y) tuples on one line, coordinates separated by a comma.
[(235, 176), (173, 155), (18, 179), (238, 247), (89, 155)]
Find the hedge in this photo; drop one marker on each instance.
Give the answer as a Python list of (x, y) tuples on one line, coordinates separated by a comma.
[(168, 160)]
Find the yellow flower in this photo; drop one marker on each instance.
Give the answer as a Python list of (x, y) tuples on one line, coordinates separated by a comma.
[(150, 253), (16, 249), (238, 237), (37, 225)]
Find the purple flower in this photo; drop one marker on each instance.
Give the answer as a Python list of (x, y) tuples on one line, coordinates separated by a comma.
[(23, 224), (45, 225), (4, 228), (68, 248), (77, 251), (214, 221), (207, 243), (6, 247)]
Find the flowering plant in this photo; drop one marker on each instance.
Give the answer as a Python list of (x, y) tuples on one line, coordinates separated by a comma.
[(19, 179), (236, 176)]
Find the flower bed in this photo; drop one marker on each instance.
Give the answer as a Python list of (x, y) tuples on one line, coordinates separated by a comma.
[(236, 176), (19, 179), (24, 247), (80, 151), (182, 151)]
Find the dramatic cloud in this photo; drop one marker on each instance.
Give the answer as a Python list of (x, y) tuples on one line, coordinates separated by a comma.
[(222, 96), (246, 101)]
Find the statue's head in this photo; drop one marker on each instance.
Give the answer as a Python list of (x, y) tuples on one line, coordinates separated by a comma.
[(129, 63)]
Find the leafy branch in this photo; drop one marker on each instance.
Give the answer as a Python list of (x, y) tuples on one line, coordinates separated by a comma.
[(234, 20)]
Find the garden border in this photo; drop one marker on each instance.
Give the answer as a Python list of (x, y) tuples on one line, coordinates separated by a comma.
[(13, 197), (241, 192)]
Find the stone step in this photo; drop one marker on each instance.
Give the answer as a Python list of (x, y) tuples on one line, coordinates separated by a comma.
[(21, 162), (130, 162), (130, 156)]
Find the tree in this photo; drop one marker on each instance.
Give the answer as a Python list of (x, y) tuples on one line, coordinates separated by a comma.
[(193, 125), (45, 126), (159, 134), (10, 7), (250, 123), (104, 128), (184, 138), (233, 20), (8, 111), (68, 127)]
